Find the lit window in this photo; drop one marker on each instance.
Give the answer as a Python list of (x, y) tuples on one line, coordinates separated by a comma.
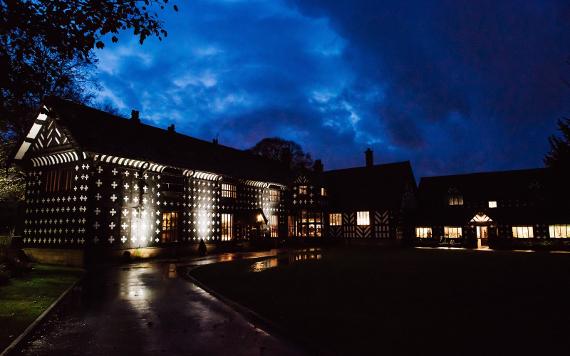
[(523, 232), (228, 190), (559, 231), (335, 219), (452, 232), (169, 226), (363, 218), (423, 232), (455, 199), (323, 192), (492, 203), (303, 190), (227, 227), (273, 195), (274, 225)]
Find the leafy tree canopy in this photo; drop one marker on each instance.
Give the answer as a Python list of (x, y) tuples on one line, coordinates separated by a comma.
[(559, 155), (284, 151)]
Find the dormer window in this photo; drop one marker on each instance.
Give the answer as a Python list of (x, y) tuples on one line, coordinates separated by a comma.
[(303, 190), (454, 198)]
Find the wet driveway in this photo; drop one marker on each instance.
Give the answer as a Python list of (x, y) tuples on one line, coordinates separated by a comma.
[(147, 309)]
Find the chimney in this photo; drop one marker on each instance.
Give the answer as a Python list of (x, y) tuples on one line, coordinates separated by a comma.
[(135, 116), (215, 141), (171, 128), (318, 166), (369, 157)]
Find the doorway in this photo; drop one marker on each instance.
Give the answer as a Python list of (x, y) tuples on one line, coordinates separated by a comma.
[(482, 237)]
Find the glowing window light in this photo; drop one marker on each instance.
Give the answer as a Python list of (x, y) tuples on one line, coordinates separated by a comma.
[(335, 219), (227, 227), (560, 231), (452, 232), (423, 232), (492, 204), (303, 190), (363, 218), (228, 190), (523, 232), (274, 225), (259, 218)]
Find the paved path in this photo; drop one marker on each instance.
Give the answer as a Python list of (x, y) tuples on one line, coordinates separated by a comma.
[(146, 309)]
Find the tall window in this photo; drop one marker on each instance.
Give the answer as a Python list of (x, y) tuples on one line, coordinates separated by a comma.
[(274, 225), (523, 232), (59, 180), (227, 227), (335, 219), (423, 232), (559, 231), (303, 190), (273, 195), (452, 232), (291, 226), (323, 192), (228, 190), (169, 226), (363, 218), (310, 224)]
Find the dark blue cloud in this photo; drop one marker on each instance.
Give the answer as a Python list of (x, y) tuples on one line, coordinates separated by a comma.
[(453, 86)]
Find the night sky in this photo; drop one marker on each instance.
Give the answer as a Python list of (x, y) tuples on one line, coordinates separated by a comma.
[(452, 86)]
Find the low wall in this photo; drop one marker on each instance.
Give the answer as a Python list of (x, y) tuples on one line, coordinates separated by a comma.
[(66, 257)]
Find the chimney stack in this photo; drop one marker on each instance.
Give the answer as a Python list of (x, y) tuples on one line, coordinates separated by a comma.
[(135, 116), (369, 157), (171, 128), (318, 166)]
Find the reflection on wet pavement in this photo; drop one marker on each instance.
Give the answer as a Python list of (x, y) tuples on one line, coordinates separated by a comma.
[(148, 309), (287, 259)]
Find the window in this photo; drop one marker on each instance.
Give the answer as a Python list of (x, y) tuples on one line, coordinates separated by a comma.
[(492, 203), (291, 226), (455, 199), (335, 219), (323, 192), (58, 180), (523, 232), (310, 224), (452, 232), (274, 225), (423, 232), (363, 218), (273, 195), (169, 226), (228, 190), (303, 190), (227, 227), (559, 231)]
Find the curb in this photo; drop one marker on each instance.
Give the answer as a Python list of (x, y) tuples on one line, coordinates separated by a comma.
[(256, 319), (38, 320)]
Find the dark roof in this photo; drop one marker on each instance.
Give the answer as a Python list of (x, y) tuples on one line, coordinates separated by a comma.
[(522, 195), (378, 187), (100, 132)]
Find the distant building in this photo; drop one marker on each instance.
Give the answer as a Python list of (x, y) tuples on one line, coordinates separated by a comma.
[(98, 184), (511, 209)]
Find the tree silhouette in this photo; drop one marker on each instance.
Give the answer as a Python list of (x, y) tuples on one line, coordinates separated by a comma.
[(559, 155), (279, 149)]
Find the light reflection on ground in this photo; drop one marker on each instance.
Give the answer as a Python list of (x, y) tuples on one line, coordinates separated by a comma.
[(287, 259)]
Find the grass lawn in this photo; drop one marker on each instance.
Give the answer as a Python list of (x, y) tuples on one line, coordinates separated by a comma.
[(25, 298), (376, 301)]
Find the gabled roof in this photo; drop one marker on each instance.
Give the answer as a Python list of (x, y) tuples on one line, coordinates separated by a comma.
[(523, 196), (378, 187), (99, 132)]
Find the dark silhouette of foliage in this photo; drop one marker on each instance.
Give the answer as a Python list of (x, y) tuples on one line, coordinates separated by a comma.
[(559, 155), (288, 152)]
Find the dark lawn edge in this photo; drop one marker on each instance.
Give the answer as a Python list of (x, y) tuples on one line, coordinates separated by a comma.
[(16, 342), (256, 319)]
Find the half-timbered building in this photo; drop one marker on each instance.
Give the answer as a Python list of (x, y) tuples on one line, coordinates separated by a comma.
[(368, 203), (99, 183), (510, 209)]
